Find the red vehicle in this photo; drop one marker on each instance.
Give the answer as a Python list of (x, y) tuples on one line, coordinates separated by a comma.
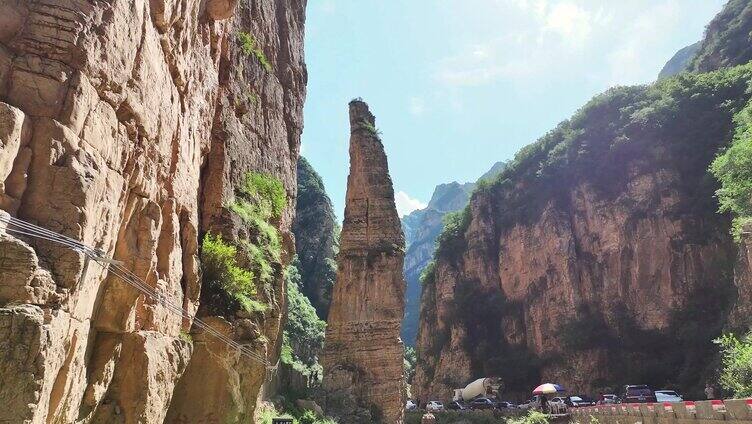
[(638, 394)]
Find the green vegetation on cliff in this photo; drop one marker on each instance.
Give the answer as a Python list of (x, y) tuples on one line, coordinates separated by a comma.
[(298, 415), (223, 274), (316, 238), (733, 168), (727, 38), (234, 272), (250, 46), (304, 331), (688, 116), (736, 376)]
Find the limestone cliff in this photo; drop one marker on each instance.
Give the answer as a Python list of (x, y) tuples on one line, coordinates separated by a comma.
[(128, 124), (597, 258), (362, 359), (316, 238)]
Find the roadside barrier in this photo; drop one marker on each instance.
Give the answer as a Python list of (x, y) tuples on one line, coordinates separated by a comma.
[(702, 412)]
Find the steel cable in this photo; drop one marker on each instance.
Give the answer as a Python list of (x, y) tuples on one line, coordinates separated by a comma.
[(21, 227)]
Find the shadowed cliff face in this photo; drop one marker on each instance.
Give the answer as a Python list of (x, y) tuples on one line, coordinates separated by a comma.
[(128, 125), (316, 242), (363, 354)]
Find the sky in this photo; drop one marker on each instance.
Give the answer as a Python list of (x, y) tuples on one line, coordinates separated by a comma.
[(457, 85)]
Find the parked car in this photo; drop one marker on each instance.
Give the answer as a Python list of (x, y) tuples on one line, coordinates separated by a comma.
[(457, 406), (482, 403), (638, 394), (434, 406), (608, 399), (410, 405), (580, 401), (668, 396), (505, 405)]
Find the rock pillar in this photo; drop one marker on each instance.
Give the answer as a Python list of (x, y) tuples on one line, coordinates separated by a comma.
[(362, 360)]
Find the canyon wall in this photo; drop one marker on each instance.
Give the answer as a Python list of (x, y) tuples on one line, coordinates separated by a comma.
[(127, 125), (316, 238), (598, 258), (363, 354)]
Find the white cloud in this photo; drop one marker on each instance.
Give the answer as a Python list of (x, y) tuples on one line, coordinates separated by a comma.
[(482, 65), (570, 21), (417, 106), (545, 33), (406, 204)]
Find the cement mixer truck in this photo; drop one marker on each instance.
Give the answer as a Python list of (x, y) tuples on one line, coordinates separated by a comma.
[(486, 387)]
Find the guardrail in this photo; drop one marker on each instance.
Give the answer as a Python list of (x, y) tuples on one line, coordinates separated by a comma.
[(703, 412)]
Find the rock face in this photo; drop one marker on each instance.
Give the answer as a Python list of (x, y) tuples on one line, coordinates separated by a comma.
[(362, 360), (597, 258), (316, 242), (127, 124)]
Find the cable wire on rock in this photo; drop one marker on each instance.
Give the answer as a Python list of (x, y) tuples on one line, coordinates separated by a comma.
[(116, 268)]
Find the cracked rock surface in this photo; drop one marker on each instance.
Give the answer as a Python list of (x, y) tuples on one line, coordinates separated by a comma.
[(126, 124), (362, 359)]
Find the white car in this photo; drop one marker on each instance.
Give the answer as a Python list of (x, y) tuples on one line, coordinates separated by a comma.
[(434, 406), (410, 405), (667, 396)]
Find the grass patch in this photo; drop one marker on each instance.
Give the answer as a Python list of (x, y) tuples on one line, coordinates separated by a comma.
[(186, 336), (250, 47), (371, 128), (533, 417), (233, 286)]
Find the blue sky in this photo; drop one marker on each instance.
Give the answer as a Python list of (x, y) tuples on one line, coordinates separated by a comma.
[(457, 85)]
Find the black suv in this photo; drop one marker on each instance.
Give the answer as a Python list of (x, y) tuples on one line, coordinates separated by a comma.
[(638, 394), (482, 403)]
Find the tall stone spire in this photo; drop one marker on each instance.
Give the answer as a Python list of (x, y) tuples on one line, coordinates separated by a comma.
[(363, 353)]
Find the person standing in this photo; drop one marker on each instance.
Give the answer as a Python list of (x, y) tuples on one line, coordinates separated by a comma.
[(709, 391)]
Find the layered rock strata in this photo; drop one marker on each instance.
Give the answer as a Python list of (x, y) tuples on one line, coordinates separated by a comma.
[(127, 124), (362, 357)]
